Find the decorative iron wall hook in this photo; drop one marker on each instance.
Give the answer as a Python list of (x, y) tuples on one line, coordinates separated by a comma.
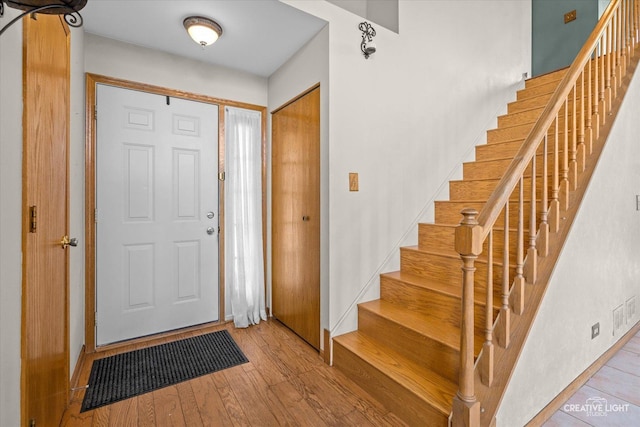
[(368, 47), (68, 8)]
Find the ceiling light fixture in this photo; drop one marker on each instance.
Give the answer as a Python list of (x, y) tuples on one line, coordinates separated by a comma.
[(203, 31)]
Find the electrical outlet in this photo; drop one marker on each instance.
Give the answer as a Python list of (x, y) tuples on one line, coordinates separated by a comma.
[(595, 330), (618, 318), (631, 308)]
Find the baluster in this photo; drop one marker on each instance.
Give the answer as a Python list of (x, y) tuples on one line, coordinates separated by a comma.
[(627, 36), (636, 16), (554, 206), (630, 43), (486, 366), (516, 296), (633, 29), (602, 104), (543, 237), (614, 60), (531, 266), (579, 150), (617, 76), (609, 71), (575, 135), (595, 120), (623, 40), (466, 409), (503, 328), (632, 26), (588, 136), (564, 183)]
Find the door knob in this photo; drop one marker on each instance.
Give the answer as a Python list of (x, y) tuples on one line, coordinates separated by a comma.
[(210, 230), (66, 242)]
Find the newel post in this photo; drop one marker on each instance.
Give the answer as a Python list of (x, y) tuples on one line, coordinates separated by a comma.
[(466, 409)]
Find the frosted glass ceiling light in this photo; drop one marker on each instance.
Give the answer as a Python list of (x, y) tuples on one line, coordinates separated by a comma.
[(203, 31)]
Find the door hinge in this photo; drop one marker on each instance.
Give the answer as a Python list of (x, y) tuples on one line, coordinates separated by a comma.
[(95, 113), (33, 219), (32, 423), (95, 216), (221, 176)]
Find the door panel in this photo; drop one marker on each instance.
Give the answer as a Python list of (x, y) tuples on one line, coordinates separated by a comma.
[(45, 342), (156, 247), (296, 216)]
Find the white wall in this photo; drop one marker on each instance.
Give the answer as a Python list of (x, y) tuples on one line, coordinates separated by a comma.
[(598, 270), (130, 62), (10, 215), (404, 119), (309, 66)]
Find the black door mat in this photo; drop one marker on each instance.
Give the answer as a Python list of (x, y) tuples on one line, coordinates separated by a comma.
[(129, 374)]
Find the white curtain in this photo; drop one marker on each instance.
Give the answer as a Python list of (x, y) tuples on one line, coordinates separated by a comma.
[(244, 262)]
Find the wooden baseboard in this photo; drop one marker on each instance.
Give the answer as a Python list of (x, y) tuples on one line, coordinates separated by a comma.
[(326, 355), (581, 380), (76, 372)]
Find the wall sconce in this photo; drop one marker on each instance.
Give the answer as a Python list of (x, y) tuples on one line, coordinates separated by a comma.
[(368, 47), (203, 31), (68, 8)]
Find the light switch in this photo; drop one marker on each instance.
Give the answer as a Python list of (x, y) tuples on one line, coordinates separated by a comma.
[(353, 181)]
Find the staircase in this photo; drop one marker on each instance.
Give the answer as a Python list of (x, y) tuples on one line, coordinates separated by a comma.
[(406, 350), (429, 346)]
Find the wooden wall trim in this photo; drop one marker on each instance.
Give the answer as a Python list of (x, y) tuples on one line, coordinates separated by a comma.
[(327, 350), (75, 378), (92, 80), (294, 99)]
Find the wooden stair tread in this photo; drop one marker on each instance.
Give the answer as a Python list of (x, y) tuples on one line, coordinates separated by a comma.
[(419, 322), (416, 248), (453, 225), (556, 75), (435, 286), (424, 383)]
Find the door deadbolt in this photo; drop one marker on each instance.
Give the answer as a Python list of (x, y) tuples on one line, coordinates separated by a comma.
[(210, 215)]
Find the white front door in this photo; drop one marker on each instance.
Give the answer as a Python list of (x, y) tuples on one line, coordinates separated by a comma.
[(156, 214)]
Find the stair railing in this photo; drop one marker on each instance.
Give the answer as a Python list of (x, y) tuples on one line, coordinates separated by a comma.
[(560, 141)]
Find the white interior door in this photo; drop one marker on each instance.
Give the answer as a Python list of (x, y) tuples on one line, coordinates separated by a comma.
[(157, 214)]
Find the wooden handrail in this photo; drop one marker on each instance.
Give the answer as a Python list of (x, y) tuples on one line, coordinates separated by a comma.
[(611, 41), (489, 214)]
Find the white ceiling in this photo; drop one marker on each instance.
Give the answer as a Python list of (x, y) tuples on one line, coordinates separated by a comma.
[(258, 35)]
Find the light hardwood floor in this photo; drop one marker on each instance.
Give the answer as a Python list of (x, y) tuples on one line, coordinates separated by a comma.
[(616, 386), (285, 383)]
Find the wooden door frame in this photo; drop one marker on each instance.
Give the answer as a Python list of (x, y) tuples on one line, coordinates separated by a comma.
[(28, 123), (92, 80)]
